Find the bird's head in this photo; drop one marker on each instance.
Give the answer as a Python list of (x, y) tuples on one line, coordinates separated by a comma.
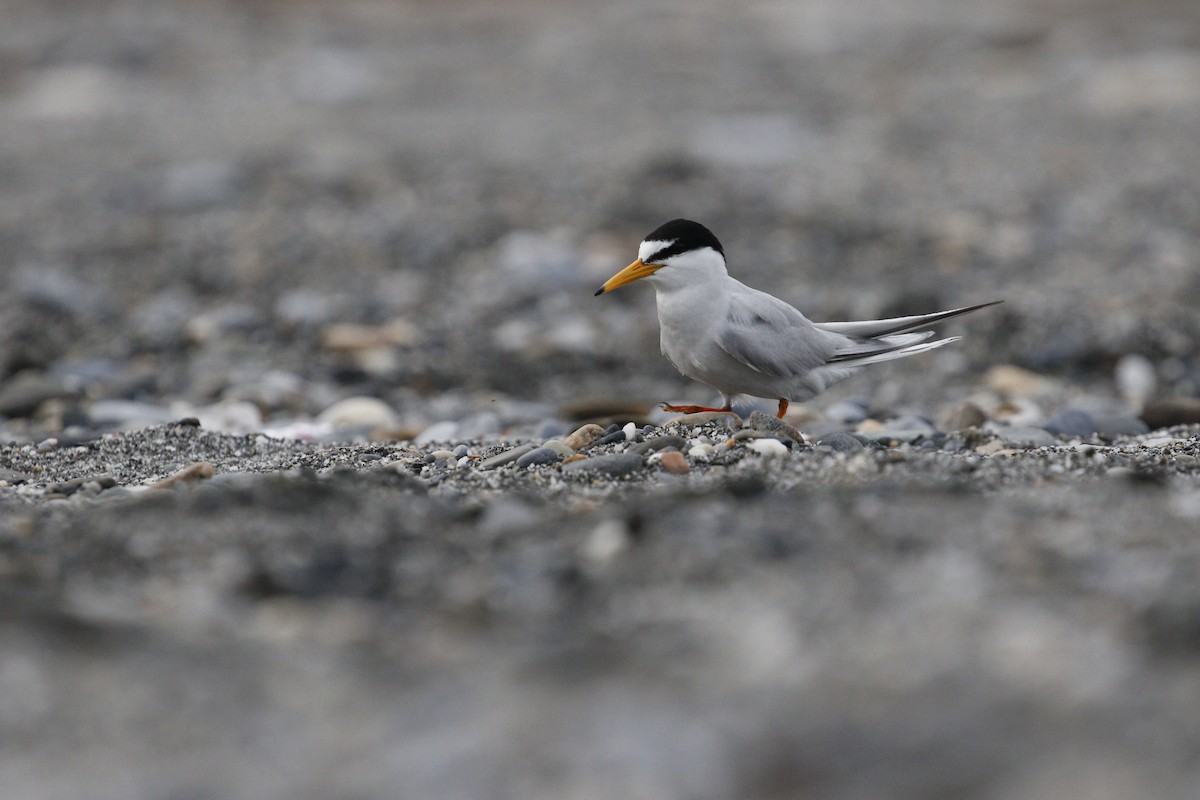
[(674, 255)]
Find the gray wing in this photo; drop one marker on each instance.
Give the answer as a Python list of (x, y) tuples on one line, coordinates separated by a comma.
[(771, 337)]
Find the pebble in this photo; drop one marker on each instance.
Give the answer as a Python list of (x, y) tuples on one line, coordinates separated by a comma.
[(539, 455), (558, 446), (200, 471), (507, 457), (612, 437), (674, 462), (442, 455), (1072, 422), (770, 448), (615, 465), (478, 426), (551, 429), (583, 437), (702, 451), (631, 431), (703, 418), (1172, 411), (848, 412), (359, 412), (840, 443), (772, 424), (1119, 425), (226, 416), (1037, 437), (22, 395), (606, 541), (1135, 378), (658, 443), (461, 451), (1008, 380), (966, 415), (443, 431)]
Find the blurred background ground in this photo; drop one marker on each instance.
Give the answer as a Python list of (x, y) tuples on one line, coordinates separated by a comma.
[(284, 203)]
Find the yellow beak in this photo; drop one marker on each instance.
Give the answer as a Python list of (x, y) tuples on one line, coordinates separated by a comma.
[(633, 272)]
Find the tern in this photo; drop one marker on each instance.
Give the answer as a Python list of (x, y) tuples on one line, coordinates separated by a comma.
[(740, 341)]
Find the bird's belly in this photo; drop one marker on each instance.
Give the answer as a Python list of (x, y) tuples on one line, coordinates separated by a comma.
[(711, 365)]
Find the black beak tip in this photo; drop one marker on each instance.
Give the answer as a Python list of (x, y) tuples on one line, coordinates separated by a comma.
[(599, 292)]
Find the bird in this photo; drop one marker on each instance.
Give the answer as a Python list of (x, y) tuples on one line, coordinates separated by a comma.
[(742, 341)]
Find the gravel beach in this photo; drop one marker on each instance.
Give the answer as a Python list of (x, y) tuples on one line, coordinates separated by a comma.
[(323, 474)]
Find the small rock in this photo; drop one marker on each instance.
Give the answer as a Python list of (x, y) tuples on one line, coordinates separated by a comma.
[(701, 451), (1037, 437), (966, 415), (848, 412), (674, 462), (72, 486), (1008, 380), (539, 455), (227, 416), (703, 418), (630, 430), (22, 395), (479, 426), (583, 437), (442, 455), (551, 429), (1172, 411), (358, 412), (507, 457), (771, 424), (615, 465), (657, 443), (1119, 425), (1072, 422), (461, 451), (558, 446), (199, 471), (1135, 378), (612, 437), (841, 443), (606, 541), (443, 431), (770, 448)]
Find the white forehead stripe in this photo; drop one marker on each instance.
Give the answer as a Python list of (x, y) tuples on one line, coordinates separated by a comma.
[(650, 247)]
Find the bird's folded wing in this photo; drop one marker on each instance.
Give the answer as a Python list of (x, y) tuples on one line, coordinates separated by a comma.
[(771, 337)]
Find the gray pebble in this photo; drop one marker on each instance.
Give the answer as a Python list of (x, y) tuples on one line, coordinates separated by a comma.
[(551, 429), (461, 451), (1119, 425), (771, 424), (1072, 422), (612, 437), (848, 412), (507, 457), (658, 443), (1028, 436), (22, 395), (840, 442), (539, 455), (614, 465)]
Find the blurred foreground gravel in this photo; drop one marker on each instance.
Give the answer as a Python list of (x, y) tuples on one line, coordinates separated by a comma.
[(323, 474)]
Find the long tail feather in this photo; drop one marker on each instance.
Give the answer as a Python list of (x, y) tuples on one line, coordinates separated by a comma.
[(875, 328)]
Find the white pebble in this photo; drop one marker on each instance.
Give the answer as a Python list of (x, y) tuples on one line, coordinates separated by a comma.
[(1135, 378), (702, 450), (772, 448), (630, 431), (607, 541)]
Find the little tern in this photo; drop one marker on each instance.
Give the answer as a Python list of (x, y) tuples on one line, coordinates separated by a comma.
[(740, 341)]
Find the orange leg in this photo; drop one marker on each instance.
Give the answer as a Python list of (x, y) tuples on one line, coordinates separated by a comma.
[(692, 409), (783, 404)]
